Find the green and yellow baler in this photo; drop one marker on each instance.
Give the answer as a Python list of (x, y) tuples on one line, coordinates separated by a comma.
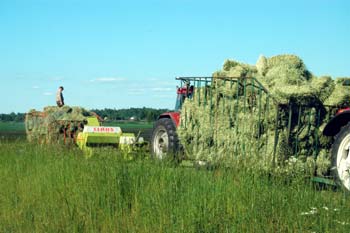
[(94, 134)]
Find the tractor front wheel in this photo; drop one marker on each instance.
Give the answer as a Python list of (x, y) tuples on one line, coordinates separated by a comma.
[(164, 141), (341, 157)]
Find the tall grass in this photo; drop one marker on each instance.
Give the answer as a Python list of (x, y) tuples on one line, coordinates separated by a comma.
[(55, 189)]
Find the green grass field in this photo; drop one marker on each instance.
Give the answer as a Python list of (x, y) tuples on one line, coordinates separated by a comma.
[(130, 125), (56, 189), (12, 126)]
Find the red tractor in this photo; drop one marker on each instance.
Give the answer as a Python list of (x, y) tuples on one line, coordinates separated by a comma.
[(164, 137)]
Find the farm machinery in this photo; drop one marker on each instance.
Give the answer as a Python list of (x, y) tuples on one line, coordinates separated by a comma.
[(94, 134), (255, 123), (76, 126), (164, 137)]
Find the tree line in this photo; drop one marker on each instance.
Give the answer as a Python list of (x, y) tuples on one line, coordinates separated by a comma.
[(17, 117), (141, 114)]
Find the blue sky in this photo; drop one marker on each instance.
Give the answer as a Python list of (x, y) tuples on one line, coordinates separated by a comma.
[(121, 54)]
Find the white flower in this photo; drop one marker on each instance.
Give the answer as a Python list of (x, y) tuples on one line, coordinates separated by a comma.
[(311, 212), (342, 223)]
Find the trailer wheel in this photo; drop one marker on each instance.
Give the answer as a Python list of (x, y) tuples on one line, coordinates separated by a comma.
[(164, 141), (341, 157)]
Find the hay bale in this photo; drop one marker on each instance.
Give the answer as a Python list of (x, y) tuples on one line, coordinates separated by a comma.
[(54, 123), (210, 129), (261, 65), (287, 78), (232, 68), (322, 87), (340, 95), (286, 69)]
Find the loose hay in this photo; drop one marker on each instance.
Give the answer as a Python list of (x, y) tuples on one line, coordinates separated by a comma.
[(54, 124), (227, 128)]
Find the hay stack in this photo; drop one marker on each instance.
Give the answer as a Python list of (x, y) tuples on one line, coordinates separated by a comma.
[(340, 94), (214, 131), (54, 123)]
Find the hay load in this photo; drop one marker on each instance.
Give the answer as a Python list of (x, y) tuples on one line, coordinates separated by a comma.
[(340, 95), (54, 124), (244, 117)]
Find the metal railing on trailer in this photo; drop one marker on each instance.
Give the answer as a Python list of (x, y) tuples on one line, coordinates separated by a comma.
[(296, 124)]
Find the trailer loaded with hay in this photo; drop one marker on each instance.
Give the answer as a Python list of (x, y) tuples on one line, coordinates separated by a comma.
[(273, 116), (75, 126)]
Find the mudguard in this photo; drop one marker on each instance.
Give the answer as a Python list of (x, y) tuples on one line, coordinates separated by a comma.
[(334, 125), (175, 116)]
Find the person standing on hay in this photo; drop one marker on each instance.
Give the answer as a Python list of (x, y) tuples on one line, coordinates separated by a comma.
[(59, 97)]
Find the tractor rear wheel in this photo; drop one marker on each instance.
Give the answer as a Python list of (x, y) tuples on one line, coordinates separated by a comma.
[(164, 141), (341, 157)]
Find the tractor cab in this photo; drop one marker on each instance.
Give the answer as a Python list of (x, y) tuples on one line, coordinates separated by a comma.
[(183, 92)]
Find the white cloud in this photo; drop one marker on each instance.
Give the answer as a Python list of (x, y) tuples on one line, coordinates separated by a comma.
[(162, 89), (136, 91), (107, 79), (48, 93), (35, 87), (164, 96)]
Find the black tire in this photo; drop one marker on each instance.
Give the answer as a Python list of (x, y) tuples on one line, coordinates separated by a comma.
[(164, 140), (340, 168)]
